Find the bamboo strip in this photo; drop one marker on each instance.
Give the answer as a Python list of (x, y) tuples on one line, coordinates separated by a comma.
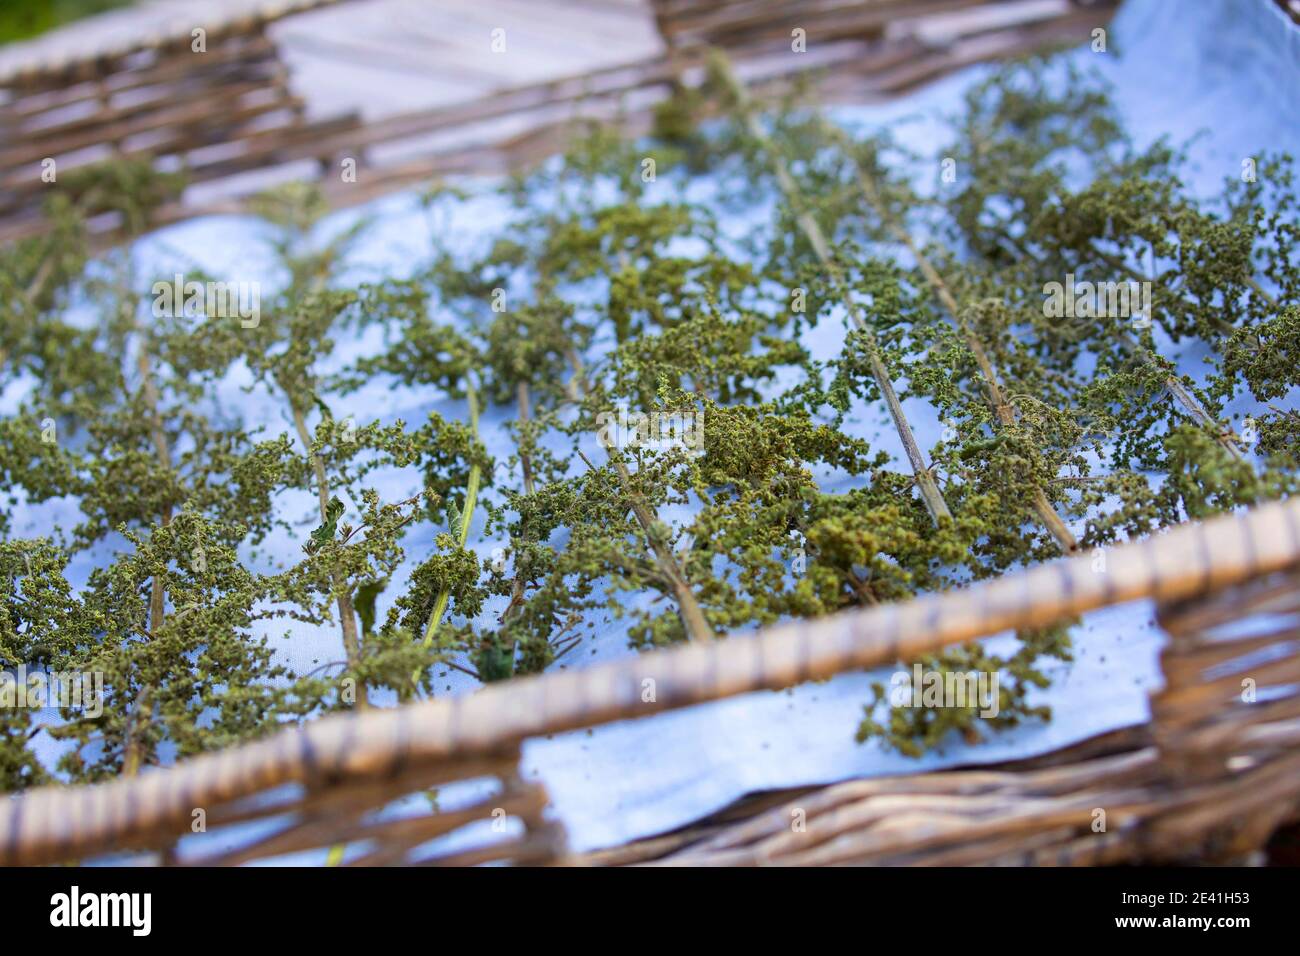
[(189, 126), (259, 147), (1191, 620), (987, 852), (1178, 705), (600, 92), (538, 846), (320, 829), (230, 59), (728, 24)]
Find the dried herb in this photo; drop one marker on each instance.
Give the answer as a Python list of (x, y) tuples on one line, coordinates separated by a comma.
[(678, 457)]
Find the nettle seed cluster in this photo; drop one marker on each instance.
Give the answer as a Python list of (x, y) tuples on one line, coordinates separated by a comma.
[(674, 439)]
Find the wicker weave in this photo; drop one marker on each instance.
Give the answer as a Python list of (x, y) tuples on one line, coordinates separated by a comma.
[(232, 110), (1211, 777), (1208, 778), (344, 766)]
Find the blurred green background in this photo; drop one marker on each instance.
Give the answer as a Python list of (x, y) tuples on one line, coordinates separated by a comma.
[(20, 19)]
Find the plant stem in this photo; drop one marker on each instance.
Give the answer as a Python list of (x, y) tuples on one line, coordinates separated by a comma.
[(133, 752), (930, 494), (1003, 411), (524, 404), (471, 501), (157, 433), (688, 608), (347, 615), (1177, 389), (689, 611)]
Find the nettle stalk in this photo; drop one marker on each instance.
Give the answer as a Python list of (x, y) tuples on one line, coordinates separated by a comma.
[(925, 482), (1013, 138), (526, 351), (1137, 349), (342, 587), (1004, 411), (605, 245), (478, 364), (158, 594), (462, 532), (165, 622), (654, 538), (309, 313), (692, 616)]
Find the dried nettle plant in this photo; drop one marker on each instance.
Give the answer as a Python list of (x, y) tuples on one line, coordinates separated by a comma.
[(678, 454)]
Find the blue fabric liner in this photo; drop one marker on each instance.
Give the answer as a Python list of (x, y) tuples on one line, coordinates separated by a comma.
[(1230, 68)]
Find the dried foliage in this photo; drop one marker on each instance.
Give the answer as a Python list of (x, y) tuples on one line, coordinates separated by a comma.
[(615, 297)]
